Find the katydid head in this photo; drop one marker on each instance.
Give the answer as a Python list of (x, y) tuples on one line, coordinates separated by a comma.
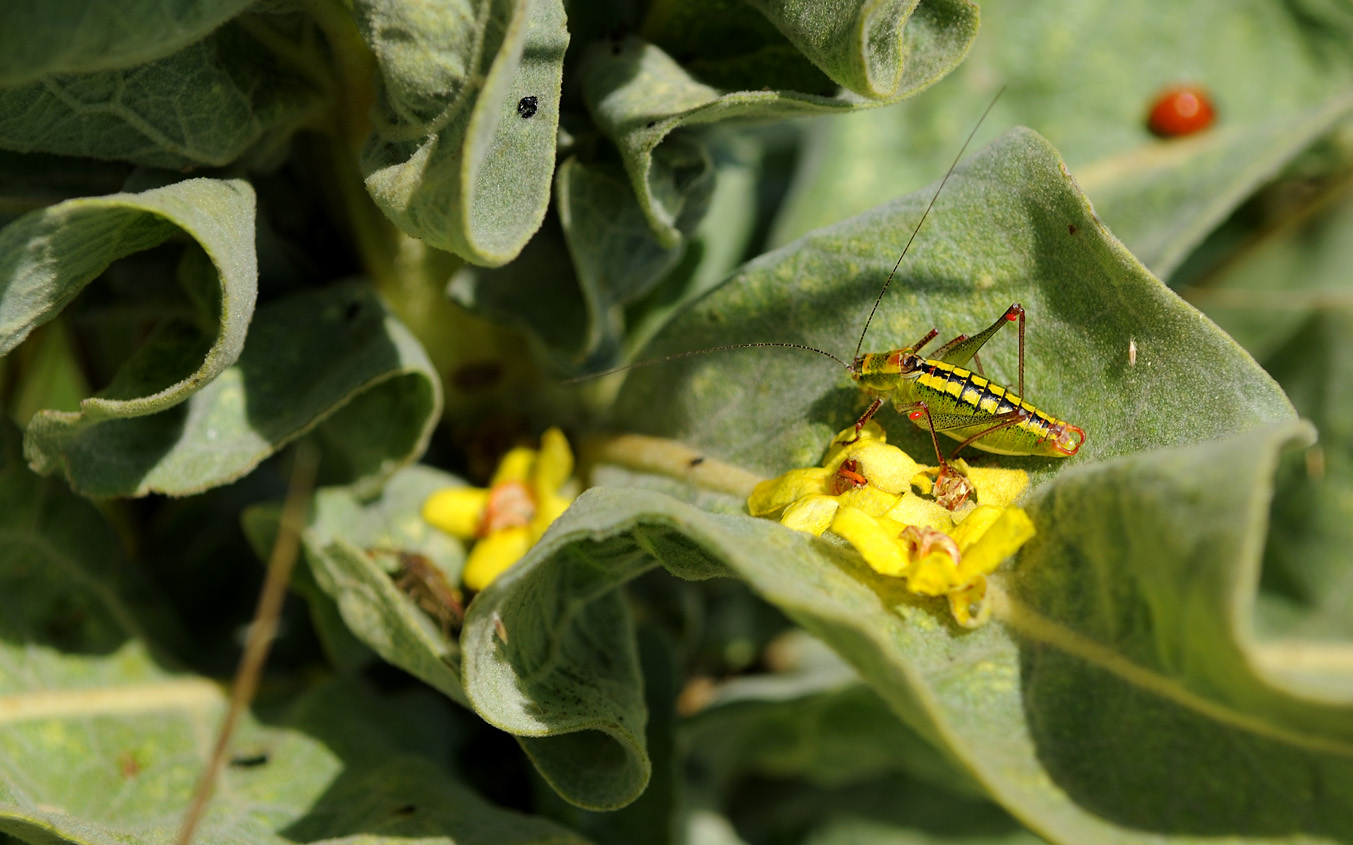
[(881, 372)]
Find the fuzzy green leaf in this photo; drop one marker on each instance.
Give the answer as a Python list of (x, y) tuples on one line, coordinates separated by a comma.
[(587, 323), (822, 726), (1130, 609), (32, 181), (104, 737), (1289, 303), (1307, 609), (614, 258), (353, 547), (330, 360), (460, 157), (1009, 227), (1279, 77), (638, 95), (48, 256), (206, 104), (1290, 275), (887, 811), (862, 49), (566, 679), (40, 37)]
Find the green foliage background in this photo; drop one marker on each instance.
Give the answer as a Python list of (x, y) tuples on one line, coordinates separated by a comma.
[(394, 229)]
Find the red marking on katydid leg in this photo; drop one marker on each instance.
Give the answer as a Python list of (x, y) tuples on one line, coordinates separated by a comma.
[(922, 409), (1016, 312)]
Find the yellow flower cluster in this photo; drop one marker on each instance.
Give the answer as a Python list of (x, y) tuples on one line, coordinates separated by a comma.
[(890, 509), (529, 490)]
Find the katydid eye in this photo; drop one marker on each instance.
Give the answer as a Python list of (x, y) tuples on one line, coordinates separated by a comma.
[(1181, 110)]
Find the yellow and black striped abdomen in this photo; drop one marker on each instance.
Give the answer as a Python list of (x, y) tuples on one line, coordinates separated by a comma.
[(963, 404)]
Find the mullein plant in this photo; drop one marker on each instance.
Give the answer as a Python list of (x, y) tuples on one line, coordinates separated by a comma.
[(398, 231)]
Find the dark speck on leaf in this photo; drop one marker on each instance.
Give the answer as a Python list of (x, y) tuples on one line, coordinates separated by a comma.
[(651, 124), (405, 810), (695, 462), (129, 766), (248, 761), (527, 107), (1071, 228)]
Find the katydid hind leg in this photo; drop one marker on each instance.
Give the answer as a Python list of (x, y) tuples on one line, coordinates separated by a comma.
[(959, 351)]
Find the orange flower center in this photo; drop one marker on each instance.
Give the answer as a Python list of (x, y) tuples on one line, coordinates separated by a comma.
[(510, 505)]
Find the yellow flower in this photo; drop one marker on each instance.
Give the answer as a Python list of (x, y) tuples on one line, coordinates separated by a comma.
[(907, 521), (529, 490)]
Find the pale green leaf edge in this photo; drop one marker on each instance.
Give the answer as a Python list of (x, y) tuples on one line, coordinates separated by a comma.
[(651, 96), (41, 281)]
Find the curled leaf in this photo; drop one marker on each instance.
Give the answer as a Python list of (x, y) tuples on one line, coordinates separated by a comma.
[(463, 152), (331, 360), (48, 256), (639, 95)]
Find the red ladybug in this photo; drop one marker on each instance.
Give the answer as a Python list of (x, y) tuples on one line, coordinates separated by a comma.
[(1181, 110)]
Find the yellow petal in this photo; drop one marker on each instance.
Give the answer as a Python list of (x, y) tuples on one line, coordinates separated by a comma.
[(869, 499), (872, 432), (1011, 530), (879, 547), (548, 509), (456, 510), (974, 525), (772, 495), (999, 487), (812, 514), (515, 466), (553, 465), (933, 574), (492, 555), (886, 467), (923, 481), (913, 510), (969, 605)]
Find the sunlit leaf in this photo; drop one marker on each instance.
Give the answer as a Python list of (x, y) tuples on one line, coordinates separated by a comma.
[(1129, 611), (1009, 227), (1086, 81), (463, 152), (638, 95)]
